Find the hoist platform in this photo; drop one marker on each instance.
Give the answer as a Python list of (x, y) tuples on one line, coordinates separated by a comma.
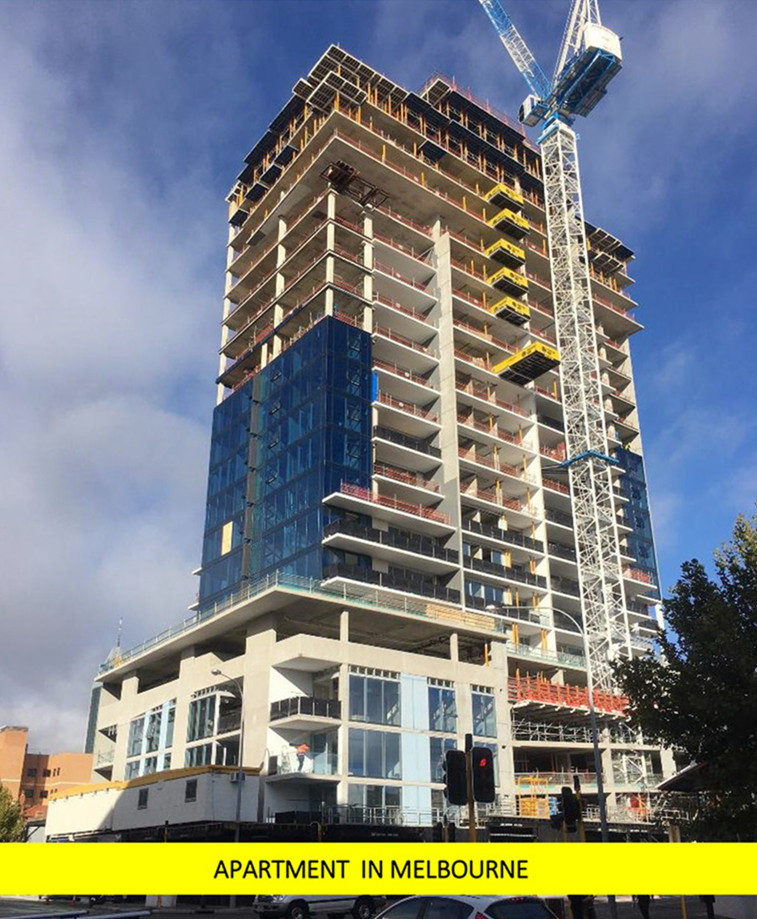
[(512, 310), (528, 364), (506, 253), (503, 195)]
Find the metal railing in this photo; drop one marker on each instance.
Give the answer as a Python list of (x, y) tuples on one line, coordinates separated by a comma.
[(403, 540), (305, 705)]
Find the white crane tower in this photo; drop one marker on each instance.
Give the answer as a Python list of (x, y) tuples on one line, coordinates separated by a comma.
[(589, 58)]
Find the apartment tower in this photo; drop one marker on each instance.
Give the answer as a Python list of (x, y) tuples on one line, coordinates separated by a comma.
[(388, 560)]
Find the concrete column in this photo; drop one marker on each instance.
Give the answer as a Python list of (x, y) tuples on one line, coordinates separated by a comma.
[(499, 668), (128, 703), (450, 485), (256, 672), (344, 625), (343, 731)]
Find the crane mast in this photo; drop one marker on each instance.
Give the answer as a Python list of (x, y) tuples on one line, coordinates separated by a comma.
[(589, 57)]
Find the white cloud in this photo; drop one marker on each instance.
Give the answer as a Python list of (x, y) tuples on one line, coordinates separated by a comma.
[(110, 308)]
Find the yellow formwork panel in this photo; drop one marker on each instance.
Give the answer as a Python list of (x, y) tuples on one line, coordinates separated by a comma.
[(530, 362), (508, 216), (511, 309), (508, 277), (502, 250), (501, 193)]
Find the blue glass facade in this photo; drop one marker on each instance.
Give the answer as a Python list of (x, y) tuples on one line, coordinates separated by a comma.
[(633, 486), (311, 426), (225, 528)]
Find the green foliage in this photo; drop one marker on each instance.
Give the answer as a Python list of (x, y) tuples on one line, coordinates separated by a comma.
[(12, 825), (700, 696)]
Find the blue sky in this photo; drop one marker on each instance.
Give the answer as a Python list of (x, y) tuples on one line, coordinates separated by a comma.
[(122, 127)]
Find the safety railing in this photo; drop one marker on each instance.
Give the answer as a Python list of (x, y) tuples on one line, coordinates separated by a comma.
[(418, 510)]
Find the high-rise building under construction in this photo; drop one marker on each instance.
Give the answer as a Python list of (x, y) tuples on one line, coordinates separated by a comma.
[(389, 560)]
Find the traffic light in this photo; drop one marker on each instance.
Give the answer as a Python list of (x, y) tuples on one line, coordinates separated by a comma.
[(482, 761), (571, 809), (455, 777)]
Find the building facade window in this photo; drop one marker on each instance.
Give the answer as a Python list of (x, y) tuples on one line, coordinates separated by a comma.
[(374, 754), (374, 797), (375, 700), (144, 794), (484, 713), (202, 718), (201, 755), (442, 712), (190, 790), (438, 747)]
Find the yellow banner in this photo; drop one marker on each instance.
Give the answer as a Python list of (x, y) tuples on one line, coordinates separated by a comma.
[(547, 869)]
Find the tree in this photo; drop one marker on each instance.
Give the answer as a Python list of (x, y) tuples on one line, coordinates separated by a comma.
[(12, 824), (700, 695)]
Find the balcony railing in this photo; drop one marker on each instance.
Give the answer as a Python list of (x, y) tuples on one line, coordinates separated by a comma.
[(418, 510), (554, 548), (410, 407), (566, 586), (402, 475), (546, 654), (505, 468), (557, 517), (636, 575), (401, 372), (288, 762), (481, 392), (540, 690), (405, 440), (527, 781), (547, 732), (502, 571), (512, 537), (394, 579), (407, 542), (306, 705)]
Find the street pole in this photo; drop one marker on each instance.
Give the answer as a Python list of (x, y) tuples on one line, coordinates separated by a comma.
[(469, 780)]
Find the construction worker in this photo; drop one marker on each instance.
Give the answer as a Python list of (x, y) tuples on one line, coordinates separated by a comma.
[(643, 904), (302, 751)]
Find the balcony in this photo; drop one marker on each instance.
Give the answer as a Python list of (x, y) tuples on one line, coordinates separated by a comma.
[(549, 732), (313, 766), (502, 571), (536, 692), (565, 586), (391, 545), (560, 551), (511, 537), (533, 782), (546, 655), (405, 477), (305, 713), (563, 520), (423, 420), (395, 579), (420, 517)]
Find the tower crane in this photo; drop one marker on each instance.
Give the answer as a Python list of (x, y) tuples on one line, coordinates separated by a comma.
[(589, 58)]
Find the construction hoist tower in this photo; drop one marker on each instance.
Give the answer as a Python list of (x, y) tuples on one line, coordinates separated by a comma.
[(589, 58)]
